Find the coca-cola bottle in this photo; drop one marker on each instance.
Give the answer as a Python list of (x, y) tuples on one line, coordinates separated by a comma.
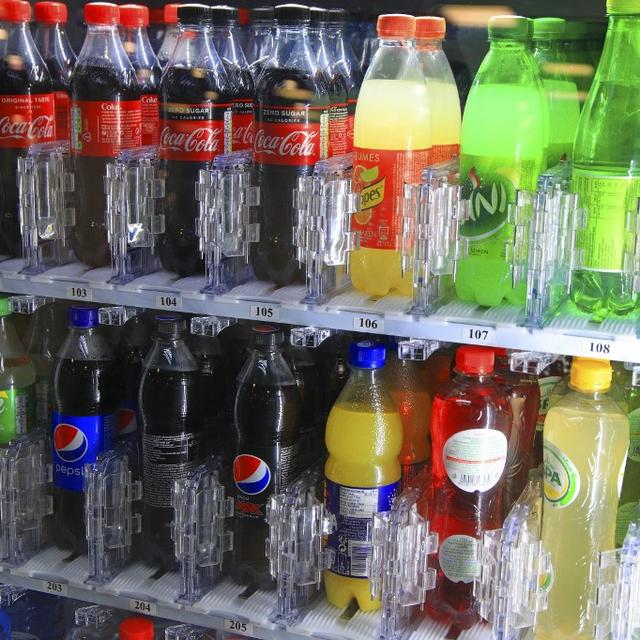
[(53, 43), (105, 119), (260, 39), (345, 63), (27, 112), (338, 113), (134, 20), (157, 27), (291, 135), (171, 33), (195, 127), (224, 20)]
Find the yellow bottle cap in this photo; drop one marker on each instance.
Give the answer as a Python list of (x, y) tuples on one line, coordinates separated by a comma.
[(590, 375)]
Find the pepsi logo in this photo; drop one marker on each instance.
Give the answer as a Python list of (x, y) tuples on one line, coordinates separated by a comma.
[(69, 442), (126, 422), (251, 474)]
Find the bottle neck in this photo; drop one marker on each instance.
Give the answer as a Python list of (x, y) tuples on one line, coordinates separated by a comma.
[(137, 46), (429, 44), (19, 38), (622, 42), (194, 46), (103, 46), (292, 47), (366, 376), (474, 378), (509, 46)]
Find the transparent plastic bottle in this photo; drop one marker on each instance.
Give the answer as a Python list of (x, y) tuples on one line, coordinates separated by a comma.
[(362, 473), (470, 428), (442, 92), (332, 358), (134, 20), (172, 31), (53, 43), (547, 382), (586, 437), (106, 118), (438, 368), (392, 141), (17, 380), (157, 27), (260, 39), (606, 174), (582, 69)]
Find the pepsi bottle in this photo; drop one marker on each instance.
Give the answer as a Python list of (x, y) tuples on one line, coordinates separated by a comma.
[(172, 433), (267, 417), (85, 399)]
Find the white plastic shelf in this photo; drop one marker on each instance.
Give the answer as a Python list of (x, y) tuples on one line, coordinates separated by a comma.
[(458, 322), (225, 607)]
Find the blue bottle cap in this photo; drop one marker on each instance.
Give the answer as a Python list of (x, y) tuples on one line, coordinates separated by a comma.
[(83, 317), (367, 354)]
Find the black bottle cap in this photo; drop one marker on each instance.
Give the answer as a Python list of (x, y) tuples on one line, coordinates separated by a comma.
[(319, 15), (171, 327), (338, 15), (262, 14), (264, 335), (194, 14), (291, 13), (223, 14)]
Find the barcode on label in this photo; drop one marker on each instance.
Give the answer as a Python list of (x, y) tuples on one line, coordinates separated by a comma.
[(359, 552), (477, 479)]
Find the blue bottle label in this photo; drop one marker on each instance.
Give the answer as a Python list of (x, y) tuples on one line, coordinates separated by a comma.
[(353, 508), (127, 423), (78, 440)]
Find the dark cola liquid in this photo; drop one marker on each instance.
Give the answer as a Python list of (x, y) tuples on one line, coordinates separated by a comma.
[(80, 388), (17, 77), (178, 248), (172, 446), (89, 237), (274, 257)]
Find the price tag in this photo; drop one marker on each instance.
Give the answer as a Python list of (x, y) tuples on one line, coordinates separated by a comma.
[(169, 301), (245, 628), (265, 312), (368, 323), (79, 293), (142, 606), (599, 349), (51, 586), (477, 335)]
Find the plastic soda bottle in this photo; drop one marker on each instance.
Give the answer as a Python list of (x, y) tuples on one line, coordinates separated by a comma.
[(547, 382), (470, 428), (560, 89), (392, 140), (443, 98), (586, 437), (502, 150), (364, 438), (606, 176), (17, 380), (576, 46)]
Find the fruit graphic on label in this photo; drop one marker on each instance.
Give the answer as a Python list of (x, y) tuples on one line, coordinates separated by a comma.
[(370, 174)]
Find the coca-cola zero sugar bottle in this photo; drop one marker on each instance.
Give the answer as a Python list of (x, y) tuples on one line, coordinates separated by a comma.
[(291, 135), (105, 119), (195, 127), (260, 39), (27, 112)]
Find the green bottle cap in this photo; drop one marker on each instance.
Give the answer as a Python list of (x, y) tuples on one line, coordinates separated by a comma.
[(623, 7), (509, 28), (576, 30), (548, 28), (5, 309)]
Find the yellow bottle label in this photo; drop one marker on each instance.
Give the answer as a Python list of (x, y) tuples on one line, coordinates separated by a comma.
[(561, 477)]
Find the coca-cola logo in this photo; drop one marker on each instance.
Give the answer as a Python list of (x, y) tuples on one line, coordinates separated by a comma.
[(243, 135), (201, 140), (300, 143), (39, 128), (110, 106)]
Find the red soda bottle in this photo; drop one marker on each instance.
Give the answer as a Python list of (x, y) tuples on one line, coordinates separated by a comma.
[(171, 34), (470, 428)]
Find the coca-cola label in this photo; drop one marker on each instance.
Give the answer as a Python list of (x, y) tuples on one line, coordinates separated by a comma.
[(26, 120), (338, 129), (193, 132), (103, 128), (150, 119), (63, 114), (242, 125), (293, 136)]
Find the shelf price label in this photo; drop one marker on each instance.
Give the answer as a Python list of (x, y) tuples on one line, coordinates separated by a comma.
[(368, 323), (169, 301), (265, 311), (601, 348), (142, 606), (80, 293), (474, 334), (244, 628), (58, 588)]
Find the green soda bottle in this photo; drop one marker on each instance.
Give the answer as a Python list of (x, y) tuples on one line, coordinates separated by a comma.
[(576, 47), (560, 90), (17, 380), (502, 150), (606, 167)]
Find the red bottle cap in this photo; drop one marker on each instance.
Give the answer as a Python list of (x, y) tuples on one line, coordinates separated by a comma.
[(136, 629), (396, 25), (171, 13), (431, 27), (134, 15), (101, 13), (474, 360), (15, 11), (156, 15), (244, 16), (50, 12)]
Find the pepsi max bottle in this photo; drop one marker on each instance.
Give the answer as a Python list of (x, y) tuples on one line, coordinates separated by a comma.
[(267, 417), (172, 433), (85, 400)]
